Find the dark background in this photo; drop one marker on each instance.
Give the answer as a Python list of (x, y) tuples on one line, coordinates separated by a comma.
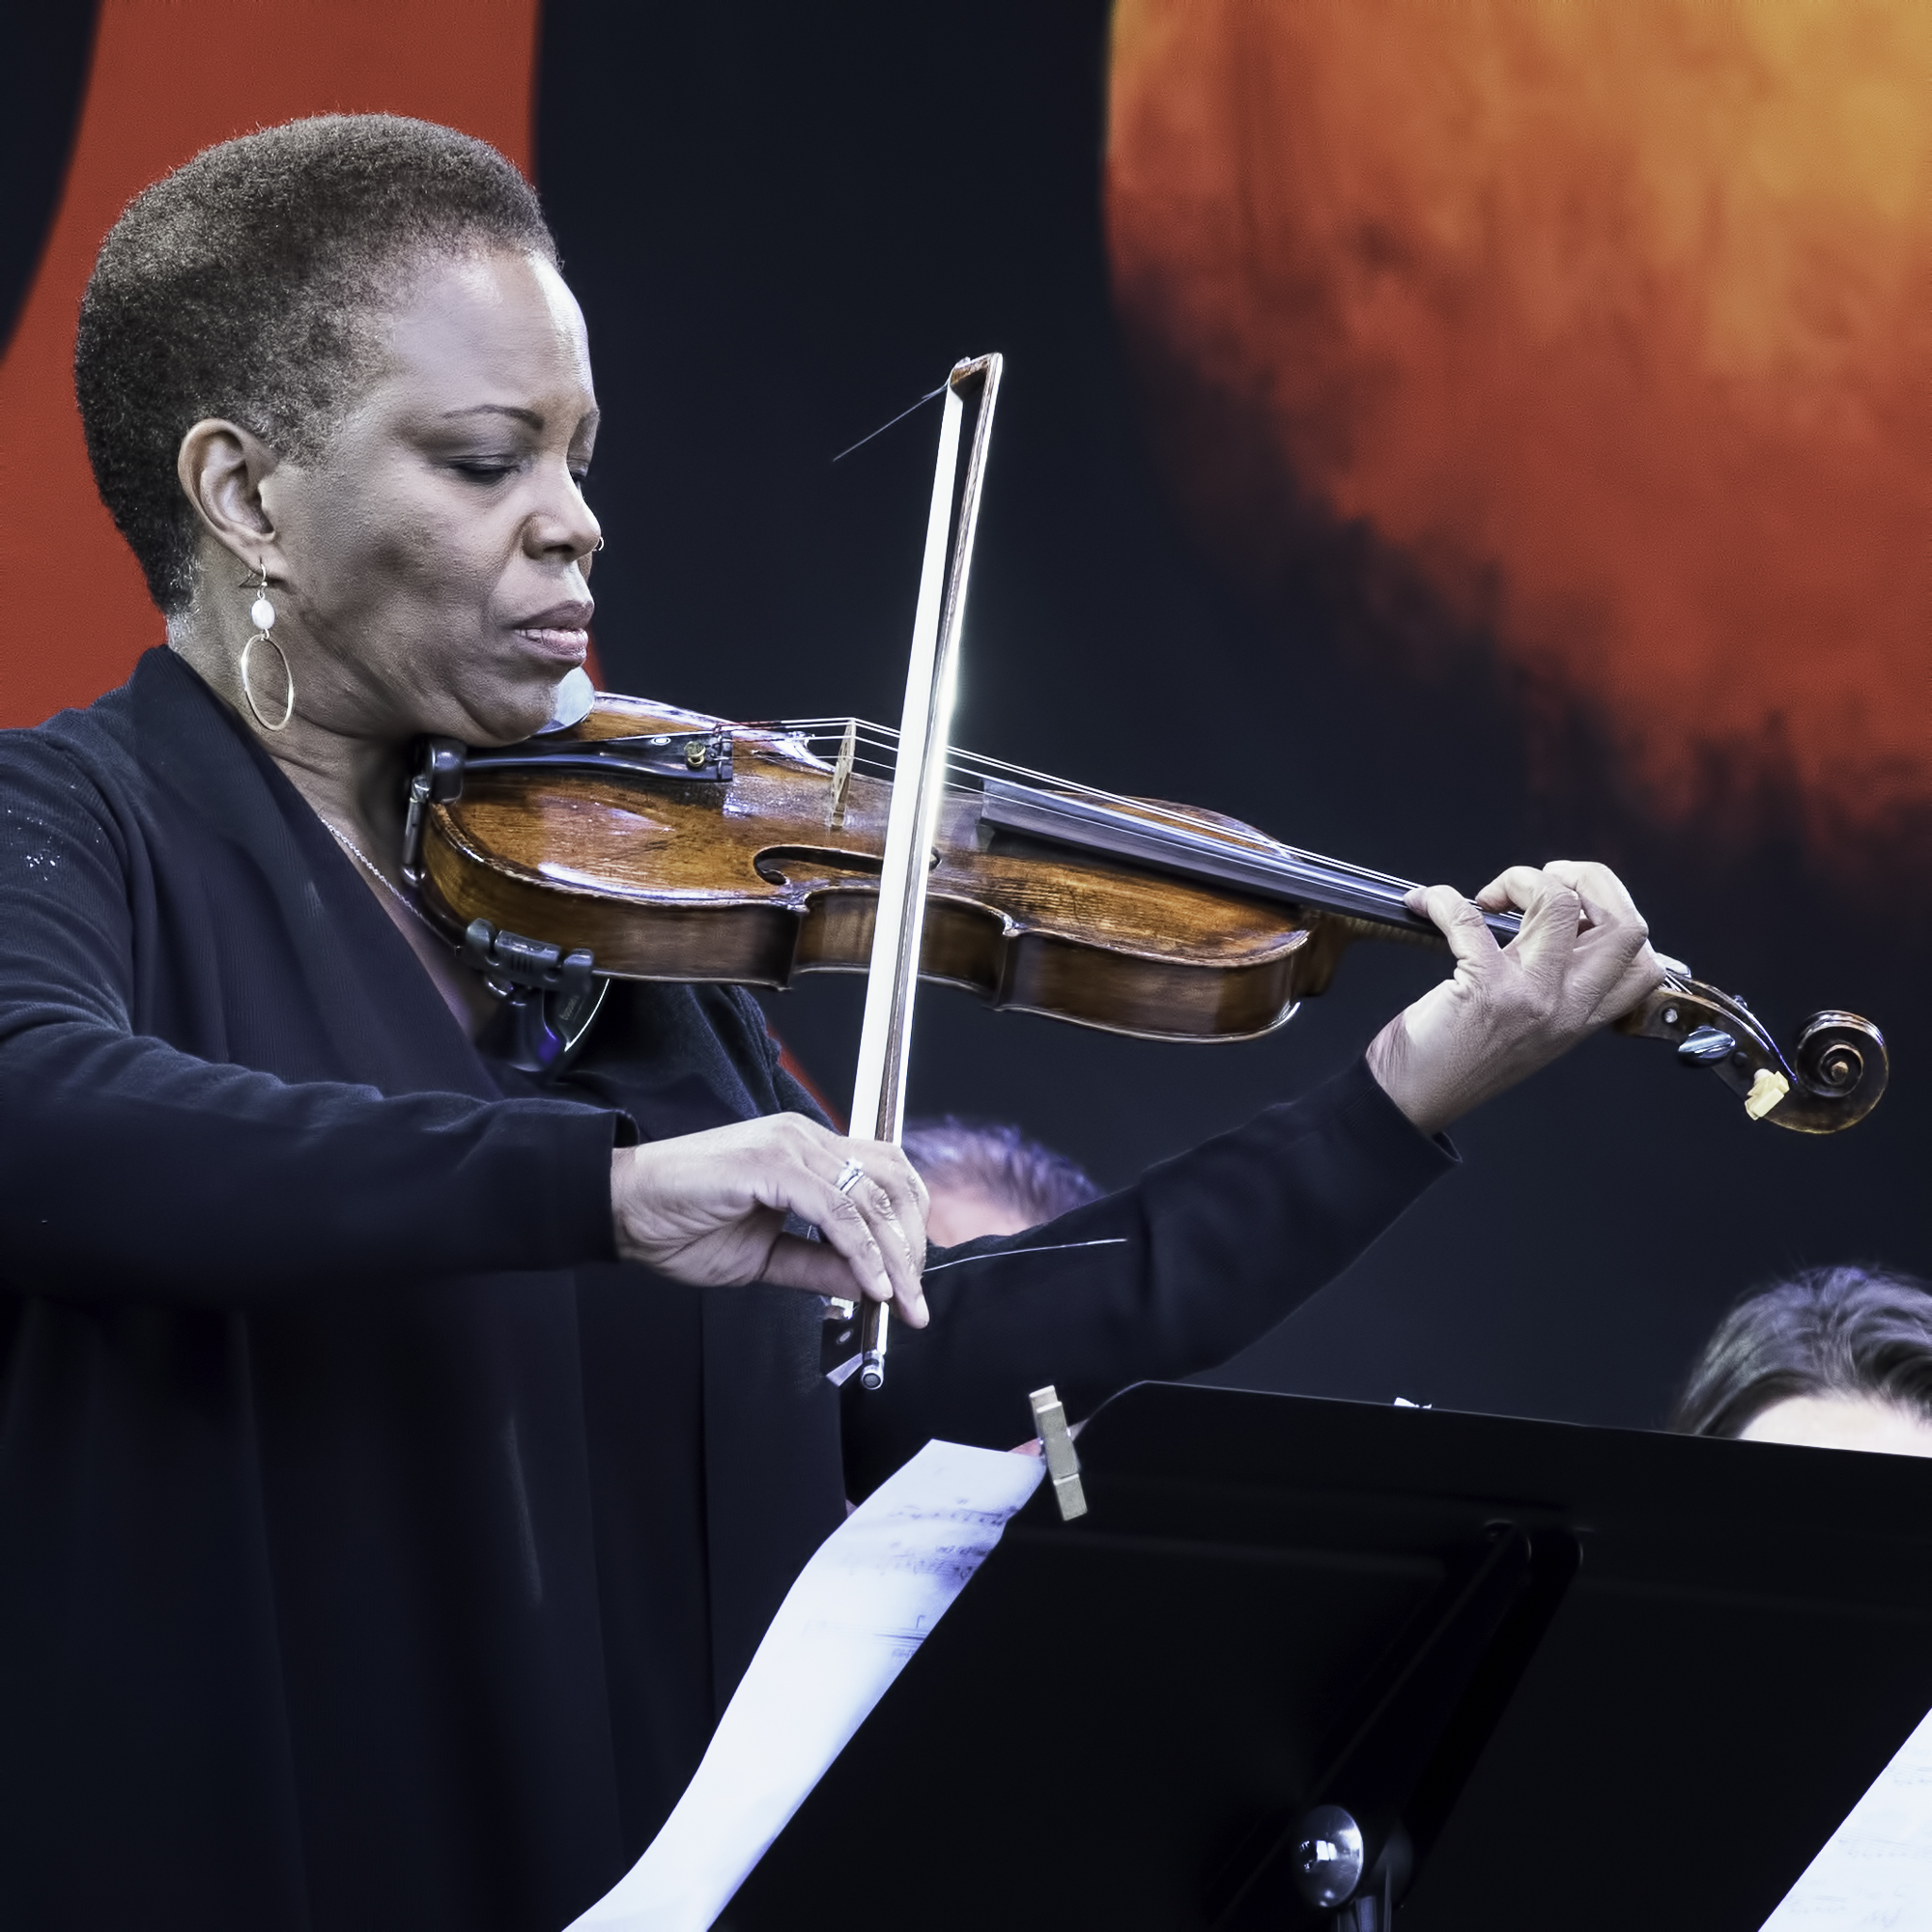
[(785, 223), (42, 80)]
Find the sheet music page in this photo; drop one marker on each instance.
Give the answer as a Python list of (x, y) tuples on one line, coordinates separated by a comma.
[(1875, 1871), (865, 1602)]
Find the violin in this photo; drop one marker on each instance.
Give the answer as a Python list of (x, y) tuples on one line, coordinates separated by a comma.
[(637, 840), (651, 842)]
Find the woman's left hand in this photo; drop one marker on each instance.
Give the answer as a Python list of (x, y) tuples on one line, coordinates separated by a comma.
[(1581, 959)]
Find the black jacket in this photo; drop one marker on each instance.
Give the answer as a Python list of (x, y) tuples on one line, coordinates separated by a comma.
[(375, 1550)]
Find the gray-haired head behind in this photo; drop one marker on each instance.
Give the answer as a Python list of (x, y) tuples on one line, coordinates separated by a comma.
[(1845, 1332), (249, 284), (999, 1163)]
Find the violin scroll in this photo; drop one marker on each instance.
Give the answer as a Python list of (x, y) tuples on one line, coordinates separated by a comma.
[(1834, 1077)]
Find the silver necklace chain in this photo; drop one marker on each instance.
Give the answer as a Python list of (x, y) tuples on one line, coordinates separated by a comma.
[(382, 878)]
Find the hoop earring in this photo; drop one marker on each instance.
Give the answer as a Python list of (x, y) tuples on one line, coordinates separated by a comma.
[(262, 615)]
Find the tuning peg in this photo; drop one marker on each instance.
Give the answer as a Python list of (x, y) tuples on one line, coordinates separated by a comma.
[(1706, 1047)]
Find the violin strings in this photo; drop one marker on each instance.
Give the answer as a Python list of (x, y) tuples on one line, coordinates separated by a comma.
[(1157, 816), (974, 764), (882, 740), (977, 764)]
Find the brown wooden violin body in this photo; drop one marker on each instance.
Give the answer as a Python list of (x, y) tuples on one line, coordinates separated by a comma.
[(669, 845), (751, 882)]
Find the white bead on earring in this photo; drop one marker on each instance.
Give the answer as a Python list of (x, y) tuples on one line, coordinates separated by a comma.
[(262, 615)]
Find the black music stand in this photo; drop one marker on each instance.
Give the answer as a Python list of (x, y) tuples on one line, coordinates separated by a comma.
[(1555, 1676)]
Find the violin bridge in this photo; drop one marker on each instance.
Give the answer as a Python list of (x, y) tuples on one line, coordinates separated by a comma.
[(841, 775)]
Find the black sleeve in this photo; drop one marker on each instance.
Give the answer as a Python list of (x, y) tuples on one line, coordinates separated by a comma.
[(1203, 1254), (129, 1168), (788, 1090), (794, 1097)]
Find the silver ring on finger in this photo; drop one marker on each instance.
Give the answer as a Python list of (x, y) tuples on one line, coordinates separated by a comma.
[(849, 1177)]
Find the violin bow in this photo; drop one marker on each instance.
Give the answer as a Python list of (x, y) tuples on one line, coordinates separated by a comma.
[(919, 777)]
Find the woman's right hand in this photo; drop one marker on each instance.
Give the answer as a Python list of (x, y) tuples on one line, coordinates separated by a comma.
[(711, 1209)]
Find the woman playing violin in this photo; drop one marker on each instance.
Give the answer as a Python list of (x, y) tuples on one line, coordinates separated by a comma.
[(400, 1454)]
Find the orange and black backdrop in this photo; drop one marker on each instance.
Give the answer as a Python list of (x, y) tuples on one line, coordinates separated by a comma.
[(1437, 434)]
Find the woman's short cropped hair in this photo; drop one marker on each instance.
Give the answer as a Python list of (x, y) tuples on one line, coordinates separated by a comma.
[(246, 285), (1849, 1332)]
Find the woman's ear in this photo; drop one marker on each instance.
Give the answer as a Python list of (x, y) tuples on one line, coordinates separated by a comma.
[(223, 469)]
